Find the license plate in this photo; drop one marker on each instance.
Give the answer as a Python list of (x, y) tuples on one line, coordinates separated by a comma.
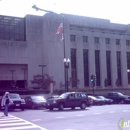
[(17, 105)]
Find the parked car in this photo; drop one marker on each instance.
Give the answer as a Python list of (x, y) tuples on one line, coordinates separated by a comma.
[(96, 101), (106, 100), (51, 97), (118, 97), (35, 102), (18, 102), (90, 101), (69, 100)]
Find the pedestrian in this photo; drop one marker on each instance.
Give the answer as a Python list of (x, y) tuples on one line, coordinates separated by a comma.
[(5, 103)]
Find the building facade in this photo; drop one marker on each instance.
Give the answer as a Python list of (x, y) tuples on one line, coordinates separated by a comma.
[(94, 46)]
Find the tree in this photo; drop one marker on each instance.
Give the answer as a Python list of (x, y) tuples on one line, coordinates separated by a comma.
[(46, 80), (73, 82), (105, 82)]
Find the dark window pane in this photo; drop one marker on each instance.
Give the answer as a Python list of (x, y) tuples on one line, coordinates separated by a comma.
[(97, 66), (73, 67), (108, 63), (86, 67)]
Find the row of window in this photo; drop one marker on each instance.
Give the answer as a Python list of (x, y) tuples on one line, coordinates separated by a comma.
[(96, 40), (12, 28), (97, 67)]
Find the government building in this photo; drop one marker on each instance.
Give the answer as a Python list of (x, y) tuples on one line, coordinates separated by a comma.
[(30, 46)]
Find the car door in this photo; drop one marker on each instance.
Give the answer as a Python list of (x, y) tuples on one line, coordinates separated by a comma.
[(26, 100), (70, 101), (78, 98), (30, 102)]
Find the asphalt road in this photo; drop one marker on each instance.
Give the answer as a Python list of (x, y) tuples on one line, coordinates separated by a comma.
[(104, 117)]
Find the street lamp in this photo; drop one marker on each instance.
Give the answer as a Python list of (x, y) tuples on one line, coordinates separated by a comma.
[(24, 69), (63, 36), (42, 72), (66, 63), (128, 71), (12, 71)]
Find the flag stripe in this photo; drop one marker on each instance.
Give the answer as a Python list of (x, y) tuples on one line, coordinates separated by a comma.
[(59, 28)]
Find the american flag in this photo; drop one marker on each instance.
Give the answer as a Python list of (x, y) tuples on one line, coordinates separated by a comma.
[(59, 28)]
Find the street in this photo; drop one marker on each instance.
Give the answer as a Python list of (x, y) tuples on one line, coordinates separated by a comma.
[(104, 117)]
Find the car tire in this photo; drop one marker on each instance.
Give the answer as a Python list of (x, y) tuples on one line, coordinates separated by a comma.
[(83, 105), (51, 108), (72, 108), (22, 109), (122, 101), (61, 106), (33, 106)]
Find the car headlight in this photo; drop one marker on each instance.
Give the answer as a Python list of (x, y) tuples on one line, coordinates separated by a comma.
[(54, 101)]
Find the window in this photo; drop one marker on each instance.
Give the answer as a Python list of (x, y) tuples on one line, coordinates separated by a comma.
[(118, 56), (97, 66), (108, 66), (127, 42), (86, 67), (12, 28), (72, 38), (85, 38), (73, 67), (96, 39), (107, 40), (128, 65), (117, 41)]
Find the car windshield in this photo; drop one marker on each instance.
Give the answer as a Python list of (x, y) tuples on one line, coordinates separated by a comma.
[(92, 97), (120, 94), (38, 98), (14, 96), (101, 97), (64, 95)]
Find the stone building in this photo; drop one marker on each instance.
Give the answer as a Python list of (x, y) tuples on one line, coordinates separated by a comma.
[(94, 46)]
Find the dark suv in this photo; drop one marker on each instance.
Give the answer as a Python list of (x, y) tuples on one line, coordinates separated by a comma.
[(69, 100), (18, 102), (118, 97)]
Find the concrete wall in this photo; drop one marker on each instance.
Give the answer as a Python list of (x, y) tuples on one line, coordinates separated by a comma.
[(44, 47)]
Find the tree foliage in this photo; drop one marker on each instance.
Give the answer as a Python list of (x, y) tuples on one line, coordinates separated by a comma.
[(74, 82), (45, 81)]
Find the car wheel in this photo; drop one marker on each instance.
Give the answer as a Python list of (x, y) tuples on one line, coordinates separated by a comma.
[(83, 105), (51, 108), (22, 109), (73, 108), (33, 106), (122, 101), (61, 106)]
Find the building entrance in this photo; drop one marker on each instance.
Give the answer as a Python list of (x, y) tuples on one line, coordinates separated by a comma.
[(9, 84)]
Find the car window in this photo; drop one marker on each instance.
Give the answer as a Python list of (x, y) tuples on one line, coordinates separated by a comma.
[(71, 96), (64, 95), (14, 96), (83, 95), (78, 95)]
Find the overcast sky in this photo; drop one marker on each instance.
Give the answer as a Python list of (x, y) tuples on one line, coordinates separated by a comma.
[(117, 11)]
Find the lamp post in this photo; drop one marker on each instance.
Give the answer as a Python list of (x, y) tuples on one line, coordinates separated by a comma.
[(12, 71), (63, 37), (128, 71), (42, 72), (24, 69), (66, 63)]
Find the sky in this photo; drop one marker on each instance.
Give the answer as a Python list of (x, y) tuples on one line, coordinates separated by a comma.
[(117, 11)]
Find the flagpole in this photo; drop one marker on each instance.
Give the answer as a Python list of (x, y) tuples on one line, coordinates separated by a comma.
[(67, 60), (65, 73)]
